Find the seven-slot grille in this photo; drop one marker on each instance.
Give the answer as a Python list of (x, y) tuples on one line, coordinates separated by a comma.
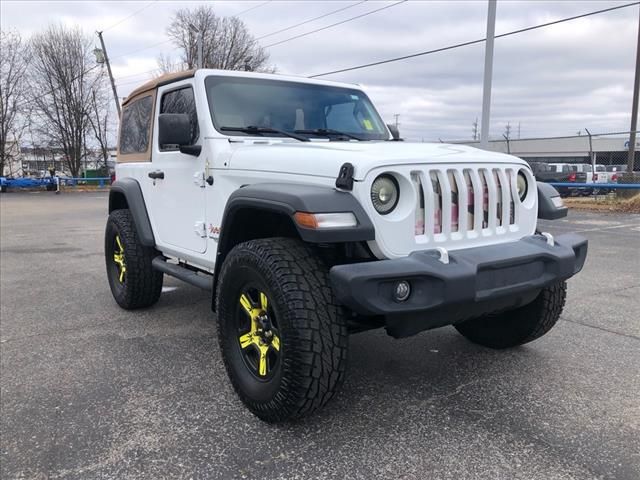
[(464, 203)]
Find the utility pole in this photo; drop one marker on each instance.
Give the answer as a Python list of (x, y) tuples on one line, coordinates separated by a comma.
[(397, 116), (102, 55), (506, 137), (634, 109), (475, 130), (518, 130), (592, 155), (507, 130), (488, 73)]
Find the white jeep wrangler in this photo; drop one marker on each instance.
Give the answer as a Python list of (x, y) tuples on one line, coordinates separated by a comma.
[(292, 202)]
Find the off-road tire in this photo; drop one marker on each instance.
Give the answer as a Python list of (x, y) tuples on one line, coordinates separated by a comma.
[(311, 325), (521, 325), (142, 284)]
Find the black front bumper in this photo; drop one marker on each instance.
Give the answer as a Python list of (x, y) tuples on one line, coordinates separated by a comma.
[(475, 281)]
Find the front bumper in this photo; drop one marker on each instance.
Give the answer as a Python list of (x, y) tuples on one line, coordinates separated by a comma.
[(480, 279)]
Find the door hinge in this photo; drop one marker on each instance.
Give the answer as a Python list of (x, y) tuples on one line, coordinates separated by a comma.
[(201, 229), (198, 179)]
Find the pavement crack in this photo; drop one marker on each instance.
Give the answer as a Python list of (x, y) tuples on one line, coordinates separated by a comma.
[(628, 335)]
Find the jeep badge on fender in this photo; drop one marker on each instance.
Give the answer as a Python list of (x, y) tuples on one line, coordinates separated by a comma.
[(291, 202)]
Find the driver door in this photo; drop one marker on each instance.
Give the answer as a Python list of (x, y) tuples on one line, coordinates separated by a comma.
[(178, 198)]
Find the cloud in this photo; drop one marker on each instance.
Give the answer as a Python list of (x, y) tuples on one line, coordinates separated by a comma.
[(552, 81)]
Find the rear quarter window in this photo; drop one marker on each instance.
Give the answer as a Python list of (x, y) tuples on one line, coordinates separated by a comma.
[(136, 126)]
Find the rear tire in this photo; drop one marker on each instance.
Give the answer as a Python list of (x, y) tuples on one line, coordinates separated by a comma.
[(140, 285), (519, 326), (285, 285)]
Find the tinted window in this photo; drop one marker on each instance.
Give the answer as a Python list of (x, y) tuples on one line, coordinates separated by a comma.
[(182, 101), (136, 123)]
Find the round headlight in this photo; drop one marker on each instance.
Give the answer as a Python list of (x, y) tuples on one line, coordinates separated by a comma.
[(384, 194), (522, 185)]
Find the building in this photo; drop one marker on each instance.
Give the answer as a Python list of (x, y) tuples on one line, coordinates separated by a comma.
[(37, 161), (608, 149)]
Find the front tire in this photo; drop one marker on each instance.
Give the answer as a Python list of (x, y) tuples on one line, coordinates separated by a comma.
[(133, 281), (282, 335), (521, 325)]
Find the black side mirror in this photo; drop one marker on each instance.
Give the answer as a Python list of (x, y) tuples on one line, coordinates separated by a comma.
[(174, 129), (395, 133)]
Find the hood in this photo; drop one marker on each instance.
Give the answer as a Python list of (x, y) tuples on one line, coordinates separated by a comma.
[(325, 158)]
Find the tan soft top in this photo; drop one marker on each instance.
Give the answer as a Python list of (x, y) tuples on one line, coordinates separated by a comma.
[(159, 81)]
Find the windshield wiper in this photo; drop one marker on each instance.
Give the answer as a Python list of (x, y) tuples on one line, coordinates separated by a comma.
[(260, 130), (327, 132)]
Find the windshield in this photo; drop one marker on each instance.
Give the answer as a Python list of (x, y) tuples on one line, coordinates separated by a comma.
[(316, 111)]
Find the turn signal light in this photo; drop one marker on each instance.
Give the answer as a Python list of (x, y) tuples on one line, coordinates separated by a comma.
[(325, 220)]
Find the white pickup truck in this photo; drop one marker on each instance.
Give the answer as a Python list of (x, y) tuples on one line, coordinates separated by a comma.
[(598, 177)]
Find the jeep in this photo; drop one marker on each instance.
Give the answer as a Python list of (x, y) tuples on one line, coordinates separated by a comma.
[(307, 218)]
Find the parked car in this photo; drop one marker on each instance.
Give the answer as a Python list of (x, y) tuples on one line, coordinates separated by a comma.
[(560, 173), (598, 177), (614, 172)]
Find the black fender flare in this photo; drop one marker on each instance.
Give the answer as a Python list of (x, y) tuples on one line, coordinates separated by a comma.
[(291, 198), (130, 189), (287, 199), (547, 209)]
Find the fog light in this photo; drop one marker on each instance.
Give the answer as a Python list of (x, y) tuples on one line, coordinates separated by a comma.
[(402, 291)]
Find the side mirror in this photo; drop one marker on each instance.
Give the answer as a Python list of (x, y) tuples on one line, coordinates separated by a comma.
[(395, 133), (174, 129)]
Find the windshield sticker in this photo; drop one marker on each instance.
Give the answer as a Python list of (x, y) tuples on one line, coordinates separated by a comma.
[(367, 124), (354, 97)]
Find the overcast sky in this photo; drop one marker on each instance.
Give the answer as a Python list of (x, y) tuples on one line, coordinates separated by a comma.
[(552, 81)]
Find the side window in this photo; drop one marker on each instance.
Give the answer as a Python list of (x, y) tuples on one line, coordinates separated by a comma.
[(136, 123), (182, 101)]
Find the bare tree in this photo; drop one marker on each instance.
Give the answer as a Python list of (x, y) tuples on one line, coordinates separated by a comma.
[(14, 55), (63, 79), (99, 122), (166, 64), (227, 43)]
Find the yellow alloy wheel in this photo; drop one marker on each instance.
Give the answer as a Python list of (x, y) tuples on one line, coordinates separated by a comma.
[(262, 338), (118, 258)]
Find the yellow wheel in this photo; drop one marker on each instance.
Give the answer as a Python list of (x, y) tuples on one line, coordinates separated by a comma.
[(118, 258), (133, 281), (282, 335), (258, 335)]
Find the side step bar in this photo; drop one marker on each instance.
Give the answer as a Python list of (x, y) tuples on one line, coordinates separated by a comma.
[(202, 281)]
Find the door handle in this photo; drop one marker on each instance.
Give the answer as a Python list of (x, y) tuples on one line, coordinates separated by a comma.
[(157, 175)]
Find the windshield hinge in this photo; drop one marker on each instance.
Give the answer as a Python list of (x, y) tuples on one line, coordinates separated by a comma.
[(345, 177)]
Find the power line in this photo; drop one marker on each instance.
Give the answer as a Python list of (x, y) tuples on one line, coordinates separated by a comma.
[(473, 42), (129, 16), (139, 81), (264, 36), (81, 74), (259, 38), (311, 20), (337, 23), (169, 40), (252, 8), (141, 49)]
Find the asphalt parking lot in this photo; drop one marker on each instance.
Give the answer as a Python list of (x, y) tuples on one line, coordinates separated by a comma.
[(91, 391)]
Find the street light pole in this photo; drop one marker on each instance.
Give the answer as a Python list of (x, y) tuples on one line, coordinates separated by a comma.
[(488, 73), (198, 32), (634, 109)]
